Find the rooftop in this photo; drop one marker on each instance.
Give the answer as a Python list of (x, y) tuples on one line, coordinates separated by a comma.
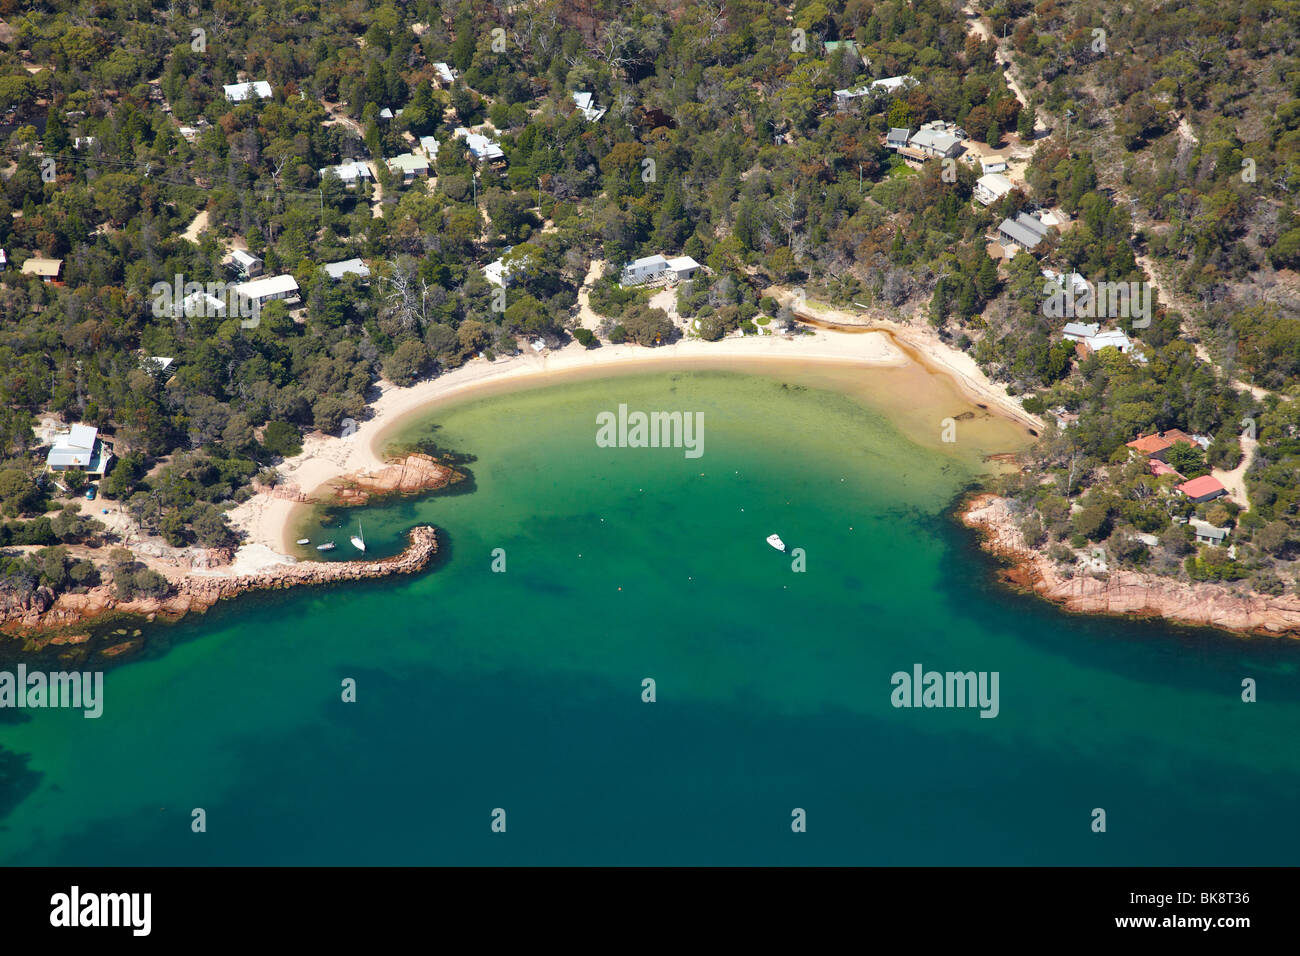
[(1200, 487)]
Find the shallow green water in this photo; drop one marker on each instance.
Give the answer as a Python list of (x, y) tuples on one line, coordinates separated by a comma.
[(522, 690)]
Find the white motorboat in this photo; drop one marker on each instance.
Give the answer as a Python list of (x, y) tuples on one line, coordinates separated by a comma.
[(327, 546), (775, 541), (358, 541), (304, 540)]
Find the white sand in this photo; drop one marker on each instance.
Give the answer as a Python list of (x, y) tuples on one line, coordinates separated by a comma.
[(266, 520)]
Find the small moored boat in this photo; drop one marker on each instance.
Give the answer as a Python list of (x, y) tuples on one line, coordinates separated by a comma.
[(358, 541), (775, 541), (304, 540), (327, 546)]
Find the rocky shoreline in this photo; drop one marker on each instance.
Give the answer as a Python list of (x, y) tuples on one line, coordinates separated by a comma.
[(64, 626), (1130, 593)]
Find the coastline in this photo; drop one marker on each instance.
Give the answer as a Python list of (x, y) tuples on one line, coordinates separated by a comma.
[(1125, 593), (268, 519), (349, 470), (64, 623)]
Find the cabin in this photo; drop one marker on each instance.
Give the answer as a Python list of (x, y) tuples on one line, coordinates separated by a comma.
[(481, 147), (430, 147), (1077, 284), (659, 270), (992, 187), (444, 76), (243, 92), (1024, 231), (409, 166), (202, 305), (893, 84), (1205, 488), (844, 98), (47, 270), (1080, 331), (587, 107), (349, 173), (1157, 444), (346, 267), (1207, 533), (1109, 339), (245, 262), (896, 138), (993, 164), (258, 292), (938, 140), (4, 261), (79, 447)]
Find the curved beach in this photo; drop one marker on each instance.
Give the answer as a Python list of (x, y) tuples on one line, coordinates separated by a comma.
[(268, 519)]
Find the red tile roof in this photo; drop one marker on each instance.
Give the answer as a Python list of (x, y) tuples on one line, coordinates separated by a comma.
[(1150, 444), (1157, 442), (1158, 467), (1199, 487)]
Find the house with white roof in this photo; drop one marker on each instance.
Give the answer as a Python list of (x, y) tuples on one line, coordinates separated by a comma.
[(258, 292), (992, 187), (658, 269), (993, 164), (202, 305), (79, 447), (587, 106), (481, 147), (4, 261), (346, 267), (445, 74), (1080, 331), (893, 84), (350, 173), (497, 273), (409, 166), (1111, 338), (243, 92), (430, 147), (1077, 283), (247, 263)]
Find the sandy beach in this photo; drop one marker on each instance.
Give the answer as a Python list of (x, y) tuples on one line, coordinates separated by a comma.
[(267, 519)]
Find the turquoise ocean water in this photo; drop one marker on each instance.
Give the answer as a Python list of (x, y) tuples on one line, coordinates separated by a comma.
[(522, 690)]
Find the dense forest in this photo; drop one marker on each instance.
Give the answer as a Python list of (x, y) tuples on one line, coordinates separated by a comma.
[(1168, 146)]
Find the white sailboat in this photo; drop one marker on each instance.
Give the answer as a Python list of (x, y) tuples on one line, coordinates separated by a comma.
[(358, 541), (775, 541)]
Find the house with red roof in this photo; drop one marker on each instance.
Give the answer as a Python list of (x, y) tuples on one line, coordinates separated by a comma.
[(1205, 488), (1159, 468), (1157, 444)]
